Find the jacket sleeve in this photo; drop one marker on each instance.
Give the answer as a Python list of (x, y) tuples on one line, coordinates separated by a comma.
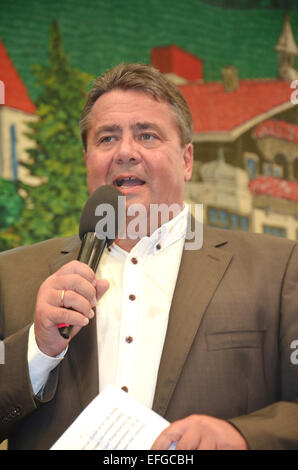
[(19, 283), (276, 426), (16, 394), (17, 398)]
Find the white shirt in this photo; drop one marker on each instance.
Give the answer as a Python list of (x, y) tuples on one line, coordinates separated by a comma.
[(132, 316)]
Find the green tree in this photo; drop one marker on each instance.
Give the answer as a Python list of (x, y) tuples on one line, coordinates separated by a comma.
[(10, 212), (53, 208)]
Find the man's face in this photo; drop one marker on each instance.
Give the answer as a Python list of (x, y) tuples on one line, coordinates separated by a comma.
[(133, 143)]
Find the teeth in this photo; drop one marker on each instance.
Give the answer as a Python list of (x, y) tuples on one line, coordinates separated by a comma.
[(122, 181)]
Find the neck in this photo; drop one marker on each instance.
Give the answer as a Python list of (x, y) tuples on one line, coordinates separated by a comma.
[(127, 244), (138, 227)]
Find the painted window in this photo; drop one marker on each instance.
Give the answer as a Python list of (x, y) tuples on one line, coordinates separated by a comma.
[(13, 147), (251, 168), (223, 218), (276, 231)]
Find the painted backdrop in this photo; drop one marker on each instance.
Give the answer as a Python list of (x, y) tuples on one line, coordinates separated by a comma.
[(235, 63)]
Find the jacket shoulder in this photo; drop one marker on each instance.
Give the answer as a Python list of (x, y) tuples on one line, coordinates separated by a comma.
[(251, 249), (32, 260), (46, 248), (247, 239)]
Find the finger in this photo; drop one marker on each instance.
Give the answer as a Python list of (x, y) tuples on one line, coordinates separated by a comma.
[(77, 302), (163, 442), (171, 434), (190, 440), (68, 316), (75, 283), (101, 287), (206, 444), (77, 267), (48, 316)]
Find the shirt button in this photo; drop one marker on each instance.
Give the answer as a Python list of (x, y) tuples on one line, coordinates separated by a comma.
[(132, 297), (158, 246), (129, 339), (125, 389), (134, 260)]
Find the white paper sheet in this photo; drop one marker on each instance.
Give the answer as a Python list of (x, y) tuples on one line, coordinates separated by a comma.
[(113, 421)]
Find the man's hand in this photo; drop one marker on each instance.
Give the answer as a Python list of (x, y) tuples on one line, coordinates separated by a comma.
[(200, 432), (82, 292)]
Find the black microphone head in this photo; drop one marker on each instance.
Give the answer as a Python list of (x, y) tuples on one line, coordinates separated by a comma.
[(100, 214)]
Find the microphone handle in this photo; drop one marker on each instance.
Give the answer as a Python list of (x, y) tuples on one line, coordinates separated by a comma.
[(90, 253)]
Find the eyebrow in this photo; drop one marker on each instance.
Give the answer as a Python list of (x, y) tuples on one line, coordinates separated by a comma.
[(147, 125), (113, 128)]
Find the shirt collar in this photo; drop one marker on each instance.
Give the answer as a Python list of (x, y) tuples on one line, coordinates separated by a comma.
[(163, 237)]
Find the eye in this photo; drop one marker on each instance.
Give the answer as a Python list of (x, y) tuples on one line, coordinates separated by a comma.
[(107, 139), (148, 139), (148, 136)]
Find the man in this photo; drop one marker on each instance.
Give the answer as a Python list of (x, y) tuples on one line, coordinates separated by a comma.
[(203, 337)]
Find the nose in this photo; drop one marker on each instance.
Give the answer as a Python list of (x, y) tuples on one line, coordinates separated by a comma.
[(127, 152)]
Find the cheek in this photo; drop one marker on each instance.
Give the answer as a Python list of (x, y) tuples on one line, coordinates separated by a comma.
[(160, 164), (96, 171), (169, 167)]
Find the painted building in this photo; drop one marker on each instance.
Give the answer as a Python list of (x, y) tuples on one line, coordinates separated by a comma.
[(245, 140), (16, 109)]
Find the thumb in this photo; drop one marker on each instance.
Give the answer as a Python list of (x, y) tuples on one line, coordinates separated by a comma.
[(102, 286)]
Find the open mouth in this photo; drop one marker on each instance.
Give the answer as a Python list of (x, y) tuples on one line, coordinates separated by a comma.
[(128, 182)]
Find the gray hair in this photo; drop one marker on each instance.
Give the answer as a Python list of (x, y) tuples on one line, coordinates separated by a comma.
[(145, 78)]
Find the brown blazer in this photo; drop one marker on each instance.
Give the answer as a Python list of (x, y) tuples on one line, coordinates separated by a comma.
[(227, 351)]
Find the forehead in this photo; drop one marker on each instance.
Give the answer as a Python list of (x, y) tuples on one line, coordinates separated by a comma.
[(121, 106)]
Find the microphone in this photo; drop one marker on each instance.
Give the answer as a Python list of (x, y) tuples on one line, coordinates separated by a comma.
[(91, 231)]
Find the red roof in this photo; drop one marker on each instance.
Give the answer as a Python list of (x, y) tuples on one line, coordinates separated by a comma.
[(275, 187), (172, 59), (214, 109), (278, 129), (15, 93)]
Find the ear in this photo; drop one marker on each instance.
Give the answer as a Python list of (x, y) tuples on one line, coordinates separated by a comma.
[(188, 161)]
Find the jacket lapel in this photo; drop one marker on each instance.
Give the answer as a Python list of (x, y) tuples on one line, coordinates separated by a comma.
[(68, 252), (82, 353), (200, 273)]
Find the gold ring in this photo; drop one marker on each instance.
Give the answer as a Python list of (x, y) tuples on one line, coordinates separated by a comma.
[(62, 299)]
